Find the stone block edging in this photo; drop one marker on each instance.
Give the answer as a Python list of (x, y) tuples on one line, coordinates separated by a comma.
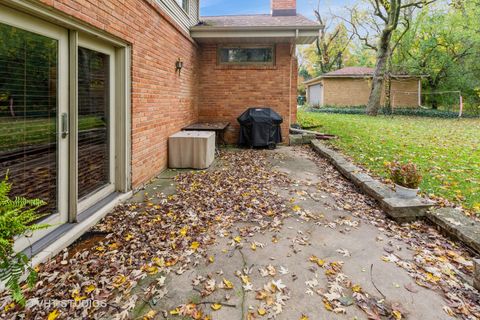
[(397, 208)]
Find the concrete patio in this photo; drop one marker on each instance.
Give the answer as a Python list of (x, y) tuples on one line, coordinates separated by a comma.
[(323, 224), (259, 235)]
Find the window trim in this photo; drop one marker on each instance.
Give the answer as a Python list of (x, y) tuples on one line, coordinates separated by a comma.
[(185, 10), (246, 46)]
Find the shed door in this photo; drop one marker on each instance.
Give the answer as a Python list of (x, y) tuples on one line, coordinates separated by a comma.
[(315, 95)]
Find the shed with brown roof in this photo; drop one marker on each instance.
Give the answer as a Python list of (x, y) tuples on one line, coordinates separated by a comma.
[(351, 86)]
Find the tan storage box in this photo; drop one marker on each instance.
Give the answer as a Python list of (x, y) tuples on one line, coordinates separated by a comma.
[(191, 149)]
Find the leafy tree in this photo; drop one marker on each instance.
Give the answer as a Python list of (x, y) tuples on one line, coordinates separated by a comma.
[(444, 43), (330, 50), (375, 28)]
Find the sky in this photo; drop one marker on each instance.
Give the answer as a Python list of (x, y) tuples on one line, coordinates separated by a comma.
[(229, 7)]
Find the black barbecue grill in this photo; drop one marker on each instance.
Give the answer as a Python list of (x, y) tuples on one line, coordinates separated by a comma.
[(260, 127)]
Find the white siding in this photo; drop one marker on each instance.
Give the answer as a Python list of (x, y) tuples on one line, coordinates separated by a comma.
[(184, 19), (315, 93)]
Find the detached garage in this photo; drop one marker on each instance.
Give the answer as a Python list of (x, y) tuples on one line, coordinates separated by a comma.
[(351, 87)]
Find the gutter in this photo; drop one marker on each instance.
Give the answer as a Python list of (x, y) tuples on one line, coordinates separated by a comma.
[(205, 28)]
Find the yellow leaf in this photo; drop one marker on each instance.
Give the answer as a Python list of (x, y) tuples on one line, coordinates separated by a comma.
[(245, 279), (129, 237), (304, 317), (150, 315), (158, 261), (53, 315), (228, 284), (296, 208), (356, 288), (151, 270), (76, 296), (211, 259), (216, 306), (183, 231), (194, 245), (261, 311), (9, 306), (253, 246), (397, 315), (175, 312), (327, 305), (318, 261), (237, 239), (90, 288)]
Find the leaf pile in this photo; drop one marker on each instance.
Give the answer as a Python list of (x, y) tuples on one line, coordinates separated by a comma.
[(164, 234)]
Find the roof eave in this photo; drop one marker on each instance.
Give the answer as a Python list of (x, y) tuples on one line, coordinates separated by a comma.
[(300, 34), (318, 79)]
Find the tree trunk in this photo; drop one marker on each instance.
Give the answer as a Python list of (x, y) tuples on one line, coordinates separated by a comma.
[(388, 93), (377, 82)]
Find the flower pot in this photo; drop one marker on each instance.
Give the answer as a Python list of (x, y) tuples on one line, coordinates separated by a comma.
[(406, 193)]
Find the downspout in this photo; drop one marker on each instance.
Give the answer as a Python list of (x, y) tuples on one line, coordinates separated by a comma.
[(292, 50)]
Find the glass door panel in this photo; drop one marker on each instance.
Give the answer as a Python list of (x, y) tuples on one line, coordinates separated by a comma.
[(33, 99), (93, 121), (28, 114)]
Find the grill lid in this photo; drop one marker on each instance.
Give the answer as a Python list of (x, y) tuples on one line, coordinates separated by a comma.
[(259, 115)]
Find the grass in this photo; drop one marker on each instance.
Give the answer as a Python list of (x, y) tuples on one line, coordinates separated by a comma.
[(447, 151), (15, 132)]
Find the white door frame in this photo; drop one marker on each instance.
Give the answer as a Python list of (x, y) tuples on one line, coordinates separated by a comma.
[(28, 23), (30, 16), (91, 43)]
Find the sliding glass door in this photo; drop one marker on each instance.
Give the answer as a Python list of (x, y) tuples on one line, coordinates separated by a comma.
[(34, 111), (57, 128)]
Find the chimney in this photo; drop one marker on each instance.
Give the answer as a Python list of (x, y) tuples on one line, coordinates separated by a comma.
[(284, 7)]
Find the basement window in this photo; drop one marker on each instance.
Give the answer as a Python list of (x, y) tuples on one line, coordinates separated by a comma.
[(240, 55)]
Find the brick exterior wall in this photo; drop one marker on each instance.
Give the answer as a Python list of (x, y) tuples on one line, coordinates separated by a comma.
[(355, 92), (227, 91), (283, 4), (162, 101)]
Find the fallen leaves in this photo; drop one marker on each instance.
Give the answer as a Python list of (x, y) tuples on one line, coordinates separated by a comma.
[(317, 260), (163, 234)]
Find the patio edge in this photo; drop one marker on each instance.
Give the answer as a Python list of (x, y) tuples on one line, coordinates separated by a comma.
[(448, 220), (78, 230), (401, 210)]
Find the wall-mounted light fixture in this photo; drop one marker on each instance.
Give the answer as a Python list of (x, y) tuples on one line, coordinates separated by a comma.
[(178, 66)]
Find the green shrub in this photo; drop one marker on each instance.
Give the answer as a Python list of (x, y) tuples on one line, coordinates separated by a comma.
[(17, 217), (414, 112)]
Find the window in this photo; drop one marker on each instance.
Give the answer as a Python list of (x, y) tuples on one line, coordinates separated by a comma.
[(246, 55), (183, 4)]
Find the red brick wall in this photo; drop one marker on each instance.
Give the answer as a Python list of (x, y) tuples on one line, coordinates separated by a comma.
[(227, 91), (162, 101), (283, 4)]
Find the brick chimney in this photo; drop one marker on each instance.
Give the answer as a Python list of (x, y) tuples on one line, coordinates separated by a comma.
[(284, 7)]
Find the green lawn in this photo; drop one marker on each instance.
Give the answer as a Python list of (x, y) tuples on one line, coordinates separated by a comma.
[(16, 132), (447, 151)]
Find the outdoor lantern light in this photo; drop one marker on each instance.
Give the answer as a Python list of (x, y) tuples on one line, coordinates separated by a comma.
[(178, 65)]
